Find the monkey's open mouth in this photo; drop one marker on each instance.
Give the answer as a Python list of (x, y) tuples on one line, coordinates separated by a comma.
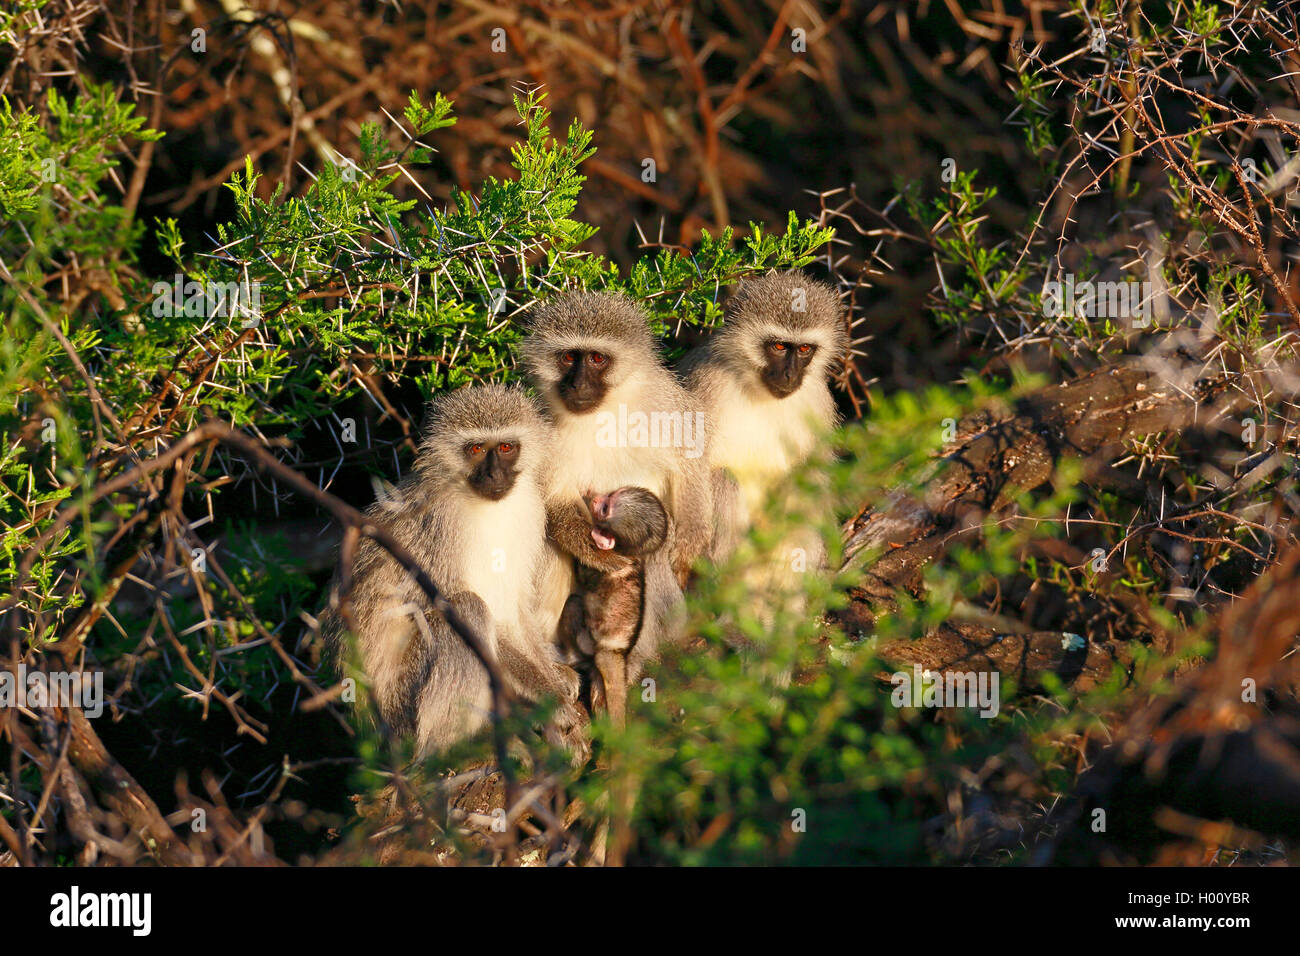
[(603, 541)]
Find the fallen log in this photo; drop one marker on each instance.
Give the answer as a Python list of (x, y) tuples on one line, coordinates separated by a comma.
[(1224, 746), (996, 455)]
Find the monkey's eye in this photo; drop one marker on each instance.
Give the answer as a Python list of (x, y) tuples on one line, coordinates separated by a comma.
[(567, 358), (777, 347), (474, 450), (805, 348), (597, 359), (506, 447)]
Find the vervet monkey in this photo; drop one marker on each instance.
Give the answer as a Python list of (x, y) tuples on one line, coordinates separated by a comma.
[(473, 513), (763, 382), (605, 618), (621, 420)]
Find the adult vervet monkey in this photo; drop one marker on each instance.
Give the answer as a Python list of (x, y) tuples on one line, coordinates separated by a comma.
[(621, 419), (763, 381), (473, 513)]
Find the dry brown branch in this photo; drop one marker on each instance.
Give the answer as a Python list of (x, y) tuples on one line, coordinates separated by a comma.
[(93, 760), (997, 456), (1224, 746)]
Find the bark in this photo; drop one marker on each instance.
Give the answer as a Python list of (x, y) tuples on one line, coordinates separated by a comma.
[(1224, 746), (994, 457), (1200, 763)]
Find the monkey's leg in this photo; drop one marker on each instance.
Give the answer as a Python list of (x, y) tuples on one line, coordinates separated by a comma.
[(534, 679), (613, 673), (598, 694), (573, 633), (454, 699)]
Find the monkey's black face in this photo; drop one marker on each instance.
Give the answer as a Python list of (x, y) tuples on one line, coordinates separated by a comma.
[(582, 385), (786, 363), (492, 468)]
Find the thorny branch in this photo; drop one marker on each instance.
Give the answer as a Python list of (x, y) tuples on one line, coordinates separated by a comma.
[(356, 524)]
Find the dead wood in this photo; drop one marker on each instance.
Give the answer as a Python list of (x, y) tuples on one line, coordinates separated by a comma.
[(998, 454), (1225, 746)]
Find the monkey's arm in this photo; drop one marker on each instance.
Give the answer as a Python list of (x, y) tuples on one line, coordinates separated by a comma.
[(692, 510), (569, 527), (534, 679), (726, 514)]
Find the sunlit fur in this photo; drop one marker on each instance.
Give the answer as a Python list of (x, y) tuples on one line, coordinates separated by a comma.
[(637, 379), (486, 554), (604, 321), (756, 438)]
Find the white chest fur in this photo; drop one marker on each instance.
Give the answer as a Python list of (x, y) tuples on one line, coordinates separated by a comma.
[(504, 540), (761, 439), (593, 453)]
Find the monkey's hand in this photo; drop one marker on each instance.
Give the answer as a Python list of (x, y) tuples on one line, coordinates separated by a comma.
[(569, 527), (568, 727), (691, 498), (683, 570)]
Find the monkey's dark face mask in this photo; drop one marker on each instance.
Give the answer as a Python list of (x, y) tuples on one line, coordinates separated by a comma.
[(493, 468), (582, 384), (786, 363)]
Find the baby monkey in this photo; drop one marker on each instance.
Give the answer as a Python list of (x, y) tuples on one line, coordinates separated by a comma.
[(605, 619)]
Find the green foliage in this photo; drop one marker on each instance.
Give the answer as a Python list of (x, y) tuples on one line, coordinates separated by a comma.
[(49, 173), (353, 285), (265, 331), (731, 766), (990, 274)]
